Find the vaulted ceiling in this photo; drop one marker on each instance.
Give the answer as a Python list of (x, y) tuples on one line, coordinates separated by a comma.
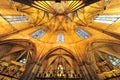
[(55, 18), (67, 32)]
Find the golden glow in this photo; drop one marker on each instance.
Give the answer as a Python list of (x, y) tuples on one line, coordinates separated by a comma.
[(61, 18), (58, 8)]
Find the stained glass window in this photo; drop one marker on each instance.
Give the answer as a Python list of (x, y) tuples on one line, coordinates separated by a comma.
[(15, 19), (82, 34), (60, 38), (109, 19), (23, 61), (115, 61), (38, 34)]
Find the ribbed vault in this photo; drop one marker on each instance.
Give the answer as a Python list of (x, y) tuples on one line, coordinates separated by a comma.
[(99, 53), (16, 55), (54, 18), (59, 57)]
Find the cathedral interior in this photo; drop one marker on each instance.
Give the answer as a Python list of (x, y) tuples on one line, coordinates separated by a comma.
[(59, 39)]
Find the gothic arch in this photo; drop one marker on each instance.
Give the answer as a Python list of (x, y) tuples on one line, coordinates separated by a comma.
[(55, 57), (103, 46), (16, 56), (97, 56)]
